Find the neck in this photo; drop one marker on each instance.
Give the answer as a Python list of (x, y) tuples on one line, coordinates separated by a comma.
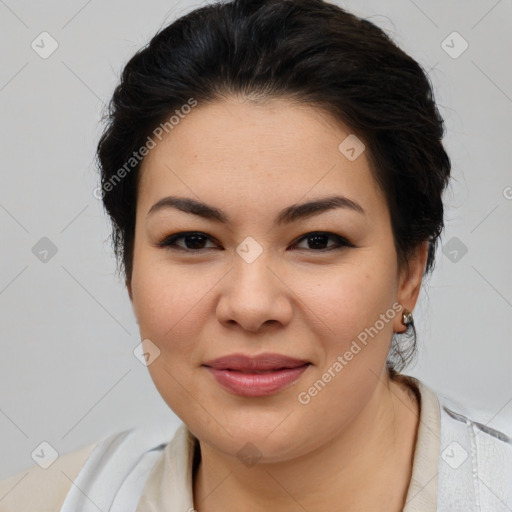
[(371, 459)]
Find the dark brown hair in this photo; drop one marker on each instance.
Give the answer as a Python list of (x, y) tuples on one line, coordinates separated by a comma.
[(309, 51)]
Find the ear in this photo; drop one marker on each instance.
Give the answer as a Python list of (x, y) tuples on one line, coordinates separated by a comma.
[(410, 283)]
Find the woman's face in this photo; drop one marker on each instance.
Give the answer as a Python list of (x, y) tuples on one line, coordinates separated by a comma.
[(253, 283)]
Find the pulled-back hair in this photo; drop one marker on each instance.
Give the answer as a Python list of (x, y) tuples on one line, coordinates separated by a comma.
[(308, 51)]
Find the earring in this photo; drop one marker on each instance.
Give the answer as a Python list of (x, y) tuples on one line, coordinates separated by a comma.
[(407, 317)]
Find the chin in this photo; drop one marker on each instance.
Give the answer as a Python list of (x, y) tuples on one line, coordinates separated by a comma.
[(250, 437)]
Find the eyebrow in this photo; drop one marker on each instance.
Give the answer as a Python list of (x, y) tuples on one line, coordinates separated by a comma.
[(286, 216)]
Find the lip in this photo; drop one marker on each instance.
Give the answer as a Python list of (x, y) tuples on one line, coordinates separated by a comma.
[(259, 375)]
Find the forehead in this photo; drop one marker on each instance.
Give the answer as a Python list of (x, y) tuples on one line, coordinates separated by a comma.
[(236, 151)]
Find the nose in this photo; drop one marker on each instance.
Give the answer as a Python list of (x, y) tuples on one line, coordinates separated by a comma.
[(254, 296)]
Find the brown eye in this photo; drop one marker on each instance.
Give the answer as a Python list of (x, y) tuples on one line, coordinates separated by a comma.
[(194, 241), (317, 241)]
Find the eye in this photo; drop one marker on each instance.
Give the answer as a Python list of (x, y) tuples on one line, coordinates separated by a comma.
[(194, 241), (318, 240)]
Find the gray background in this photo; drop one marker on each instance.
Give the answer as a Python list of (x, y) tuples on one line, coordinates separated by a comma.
[(67, 370)]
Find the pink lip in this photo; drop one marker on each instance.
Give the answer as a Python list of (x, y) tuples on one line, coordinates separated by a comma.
[(260, 375)]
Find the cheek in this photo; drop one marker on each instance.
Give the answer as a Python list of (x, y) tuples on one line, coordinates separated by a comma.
[(170, 302), (354, 313), (347, 300)]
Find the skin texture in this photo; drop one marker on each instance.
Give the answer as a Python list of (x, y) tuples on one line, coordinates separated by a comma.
[(351, 447)]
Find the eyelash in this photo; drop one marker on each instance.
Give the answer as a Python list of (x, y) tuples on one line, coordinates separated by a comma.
[(169, 242)]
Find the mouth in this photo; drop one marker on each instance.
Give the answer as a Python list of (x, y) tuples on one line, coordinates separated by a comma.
[(262, 375), (257, 363)]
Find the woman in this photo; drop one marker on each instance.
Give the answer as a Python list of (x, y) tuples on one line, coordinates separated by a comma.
[(274, 174)]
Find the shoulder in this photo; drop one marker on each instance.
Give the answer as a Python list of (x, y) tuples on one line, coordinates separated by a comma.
[(115, 473), (455, 416), (473, 470), (41, 489), (116, 465), (475, 464)]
